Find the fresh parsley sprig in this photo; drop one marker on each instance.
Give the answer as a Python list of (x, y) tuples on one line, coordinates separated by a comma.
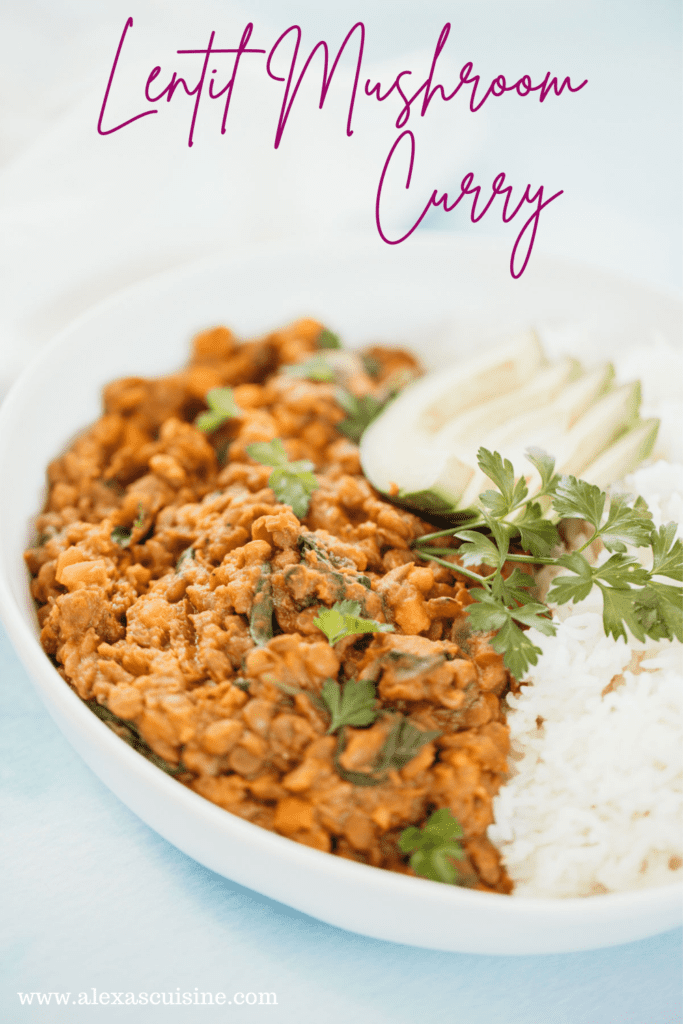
[(633, 597), (292, 482), (222, 407), (492, 613), (343, 619), (434, 847)]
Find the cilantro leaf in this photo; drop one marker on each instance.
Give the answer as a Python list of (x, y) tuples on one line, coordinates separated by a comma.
[(514, 589), (328, 339), (667, 553), (343, 619), (490, 613), (518, 651), (347, 607), (658, 607), (537, 535), (495, 502), (268, 453), (572, 588), (500, 471), (372, 366), (502, 532), (351, 704), (535, 614), (332, 623), (576, 499), (292, 482), (360, 412), (316, 368), (618, 611), (626, 524), (632, 598), (294, 486), (545, 464), (477, 549), (621, 571), (222, 407), (434, 847)]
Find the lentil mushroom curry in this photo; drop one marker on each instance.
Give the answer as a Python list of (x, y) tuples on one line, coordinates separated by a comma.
[(181, 596)]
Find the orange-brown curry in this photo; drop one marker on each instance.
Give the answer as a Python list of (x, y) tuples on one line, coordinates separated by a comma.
[(163, 642)]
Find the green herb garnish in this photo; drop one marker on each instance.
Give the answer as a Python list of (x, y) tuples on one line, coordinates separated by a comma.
[(122, 535), (317, 368), (632, 597), (292, 482), (404, 741), (342, 619), (222, 407), (434, 847), (350, 704), (360, 412), (372, 366), (328, 339), (402, 744), (261, 618), (315, 700)]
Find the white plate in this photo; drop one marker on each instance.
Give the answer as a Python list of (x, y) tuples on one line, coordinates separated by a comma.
[(367, 292)]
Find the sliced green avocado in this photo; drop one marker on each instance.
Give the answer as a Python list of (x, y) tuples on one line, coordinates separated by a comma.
[(422, 449), (398, 448), (624, 455)]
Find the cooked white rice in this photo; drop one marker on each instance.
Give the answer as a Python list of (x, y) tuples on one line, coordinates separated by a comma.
[(595, 798)]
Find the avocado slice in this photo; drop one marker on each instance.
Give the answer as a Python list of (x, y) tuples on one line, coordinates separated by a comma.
[(422, 449), (398, 447)]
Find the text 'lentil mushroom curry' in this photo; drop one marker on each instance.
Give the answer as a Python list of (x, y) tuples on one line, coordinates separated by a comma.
[(227, 591)]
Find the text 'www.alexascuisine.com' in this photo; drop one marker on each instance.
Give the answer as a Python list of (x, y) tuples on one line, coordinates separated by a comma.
[(177, 998)]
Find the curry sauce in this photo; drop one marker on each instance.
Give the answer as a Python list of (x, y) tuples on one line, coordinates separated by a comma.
[(178, 594)]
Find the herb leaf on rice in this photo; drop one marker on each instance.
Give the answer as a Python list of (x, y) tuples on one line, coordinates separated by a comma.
[(633, 600)]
